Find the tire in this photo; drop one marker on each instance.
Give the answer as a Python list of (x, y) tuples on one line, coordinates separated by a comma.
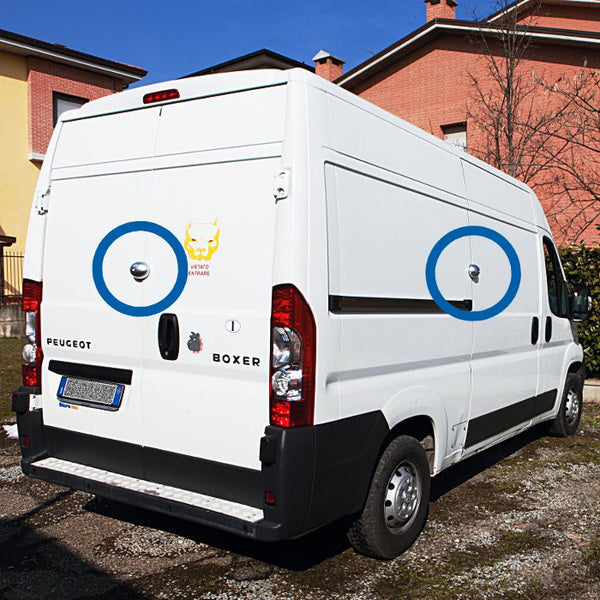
[(391, 522), (571, 405)]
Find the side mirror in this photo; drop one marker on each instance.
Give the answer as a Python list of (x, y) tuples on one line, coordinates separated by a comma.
[(580, 303)]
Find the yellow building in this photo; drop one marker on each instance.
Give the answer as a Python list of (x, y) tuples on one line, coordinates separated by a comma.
[(38, 81)]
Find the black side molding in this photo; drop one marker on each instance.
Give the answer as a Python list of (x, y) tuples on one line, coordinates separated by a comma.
[(354, 305), (107, 374), (503, 419)]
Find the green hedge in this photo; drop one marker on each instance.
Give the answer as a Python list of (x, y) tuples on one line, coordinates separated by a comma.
[(582, 265)]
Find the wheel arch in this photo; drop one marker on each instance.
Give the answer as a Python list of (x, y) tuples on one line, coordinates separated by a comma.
[(578, 368), (422, 428), (419, 411)]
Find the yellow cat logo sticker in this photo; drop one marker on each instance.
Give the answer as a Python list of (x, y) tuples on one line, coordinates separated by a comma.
[(202, 240)]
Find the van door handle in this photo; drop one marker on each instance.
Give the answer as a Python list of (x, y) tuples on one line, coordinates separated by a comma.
[(168, 336), (535, 330), (548, 328)]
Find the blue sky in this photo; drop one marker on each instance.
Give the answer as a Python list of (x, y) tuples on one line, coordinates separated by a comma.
[(171, 38)]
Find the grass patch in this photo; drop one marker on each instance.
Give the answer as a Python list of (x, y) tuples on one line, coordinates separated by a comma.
[(409, 584), (434, 582), (582, 451), (10, 374), (333, 576), (592, 558), (590, 418), (508, 543), (482, 497), (194, 580)]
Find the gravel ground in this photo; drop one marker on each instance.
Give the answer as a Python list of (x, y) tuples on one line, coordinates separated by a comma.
[(521, 520)]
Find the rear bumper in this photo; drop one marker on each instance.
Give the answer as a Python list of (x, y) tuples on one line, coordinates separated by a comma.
[(315, 475)]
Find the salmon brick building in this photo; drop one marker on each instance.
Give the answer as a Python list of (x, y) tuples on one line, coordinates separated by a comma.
[(439, 77)]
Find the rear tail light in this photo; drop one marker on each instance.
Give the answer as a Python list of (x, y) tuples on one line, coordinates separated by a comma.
[(293, 355), (32, 351)]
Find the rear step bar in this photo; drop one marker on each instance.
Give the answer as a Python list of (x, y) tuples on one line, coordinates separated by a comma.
[(193, 506)]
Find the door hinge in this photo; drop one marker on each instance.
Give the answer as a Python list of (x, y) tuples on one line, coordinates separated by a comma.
[(41, 201), (281, 184)]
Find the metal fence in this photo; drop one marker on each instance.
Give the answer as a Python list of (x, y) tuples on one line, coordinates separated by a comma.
[(11, 277)]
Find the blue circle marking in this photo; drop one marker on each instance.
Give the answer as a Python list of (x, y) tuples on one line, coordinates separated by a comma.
[(129, 309), (513, 286)]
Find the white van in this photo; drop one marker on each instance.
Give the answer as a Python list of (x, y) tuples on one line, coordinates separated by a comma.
[(258, 302)]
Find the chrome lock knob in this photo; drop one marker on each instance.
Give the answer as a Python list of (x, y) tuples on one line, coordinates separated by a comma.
[(139, 270), (474, 271)]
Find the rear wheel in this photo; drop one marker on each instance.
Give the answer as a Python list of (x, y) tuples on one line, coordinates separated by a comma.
[(397, 504), (569, 413)]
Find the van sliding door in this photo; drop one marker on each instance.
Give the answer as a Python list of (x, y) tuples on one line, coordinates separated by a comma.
[(505, 356)]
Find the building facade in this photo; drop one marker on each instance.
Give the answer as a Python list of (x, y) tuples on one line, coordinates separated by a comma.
[(38, 81), (440, 76)]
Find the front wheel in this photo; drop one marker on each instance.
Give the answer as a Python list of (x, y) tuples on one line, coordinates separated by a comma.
[(569, 413), (397, 504)]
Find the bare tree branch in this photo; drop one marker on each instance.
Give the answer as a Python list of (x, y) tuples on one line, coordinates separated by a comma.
[(544, 132)]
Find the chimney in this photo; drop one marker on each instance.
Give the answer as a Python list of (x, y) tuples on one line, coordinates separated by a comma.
[(441, 9), (328, 66)]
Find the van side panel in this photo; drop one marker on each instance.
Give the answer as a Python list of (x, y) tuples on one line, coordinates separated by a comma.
[(400, 353), (490, 191), (393, 147), (309, 133)]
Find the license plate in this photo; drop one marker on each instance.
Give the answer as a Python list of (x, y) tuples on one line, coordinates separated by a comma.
[(91, 393)]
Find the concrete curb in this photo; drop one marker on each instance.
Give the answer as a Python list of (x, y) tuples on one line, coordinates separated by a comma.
[(591, 390)]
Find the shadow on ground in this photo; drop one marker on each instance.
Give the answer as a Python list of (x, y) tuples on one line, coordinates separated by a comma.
[(451, 478), (35, 566), (314, 548), (296, 555)]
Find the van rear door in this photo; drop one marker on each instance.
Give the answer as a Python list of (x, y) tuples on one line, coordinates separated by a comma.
[(215, 163), (101, 179), (159, 259)]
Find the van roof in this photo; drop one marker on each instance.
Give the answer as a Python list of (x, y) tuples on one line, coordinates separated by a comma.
[(189, 88), (236, 81), (225, 83)]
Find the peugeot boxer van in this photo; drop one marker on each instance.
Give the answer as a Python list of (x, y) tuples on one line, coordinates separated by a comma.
[(259, 302)]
